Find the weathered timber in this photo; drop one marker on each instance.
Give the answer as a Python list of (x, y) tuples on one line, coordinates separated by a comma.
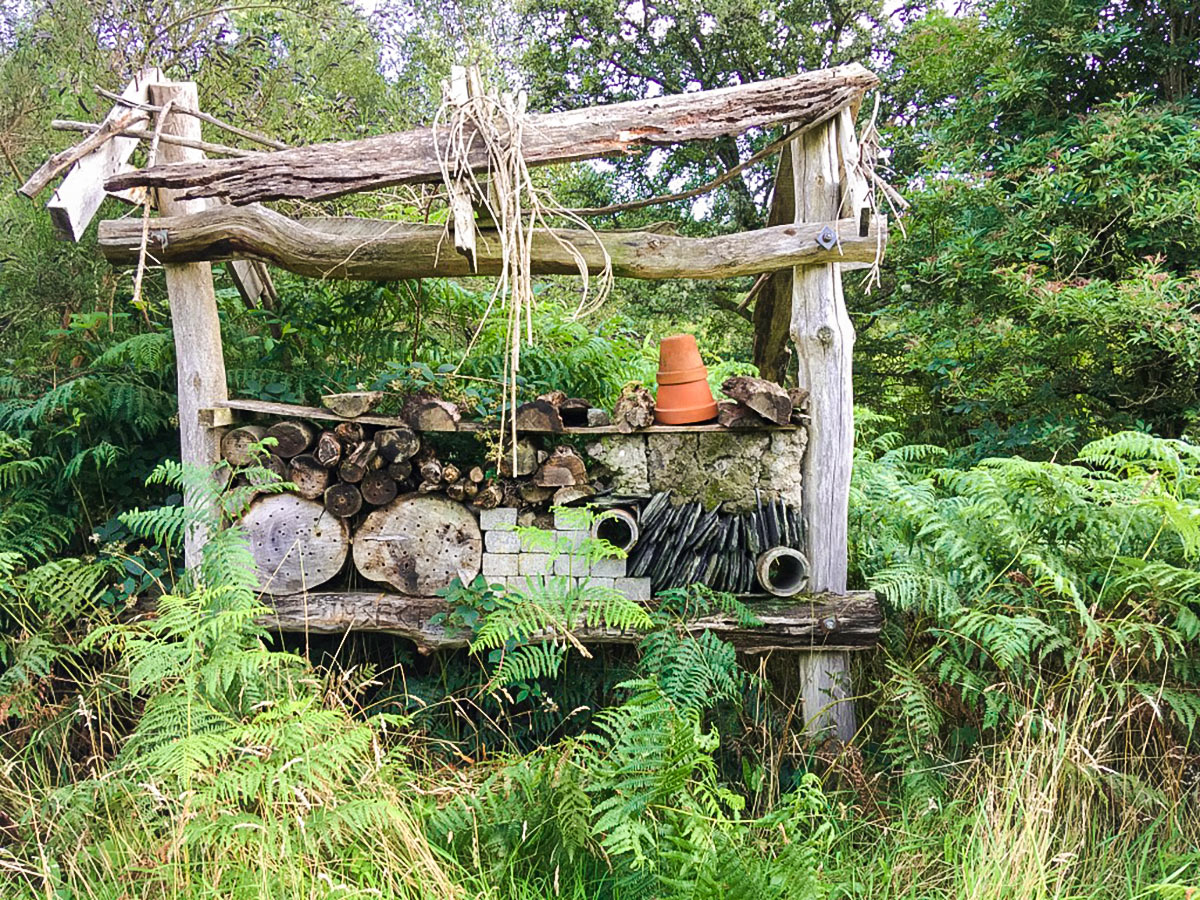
[(352, 404), (456, 490), (351, 433), (489, 496), (563, 468), (451, 473), (397, 443), (523, 462), (427, 413), (565, 496), (343, 500), (766, 398), (431, 470), (310, 477), (819, 621), (295, 543), (634, 409), (292, 437), (538, 415), (333, 169), (357, 462), (400, 470), (475, 475), (237, 444), (419, 544), (378, 488), (370, 249), (732, 414), (328, 450)]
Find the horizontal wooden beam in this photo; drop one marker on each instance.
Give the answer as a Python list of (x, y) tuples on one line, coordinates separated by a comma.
[(373, 249), (811, 622), (333, 169)]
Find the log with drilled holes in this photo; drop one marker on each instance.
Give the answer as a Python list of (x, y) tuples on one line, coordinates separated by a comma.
[(310, 477), (296, 544), (292, 437), (419, 544)]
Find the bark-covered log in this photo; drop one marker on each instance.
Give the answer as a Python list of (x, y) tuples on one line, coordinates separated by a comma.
[(456, 491), (431, 470), (357, 463), (350, 433), (400, 470), (563, 468), (328, 450), (397, 443), (732, 414), (237, 444), (378, 488), (425, 412), (766, 398), (310, 477), (489, 496), (525, 462), (368, 249), (276, 470), (333, 169), (565, 496), (293, 438), (343, 500), (809, 622), (352, 404), (451, 473), (538, 415), (634, 409)]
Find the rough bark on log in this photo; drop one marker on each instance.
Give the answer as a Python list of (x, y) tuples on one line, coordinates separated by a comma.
[(379, 488), (531, 494), (634, 409), (554, 398), (273, 465), (538, 415), (563, 468), (352, 404), (293, 438), (310, 477), (328, 450), (343, 500), (451, 473), (766, 398), (428, 413), (397, 443), (565, 496), (736, 415), (350, 433), (330, 170), (456, 491), (419, 544), (817, 621), (431, 470), (400, 470), (357, 463), (369, 249), (237, 444), (470, 489), (295, 543), (489, 496)]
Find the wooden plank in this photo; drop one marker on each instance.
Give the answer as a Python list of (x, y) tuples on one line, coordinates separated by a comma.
[(333, 169), (294, 411), (74, 203), (373, 249), (811, 622), (199, 362)]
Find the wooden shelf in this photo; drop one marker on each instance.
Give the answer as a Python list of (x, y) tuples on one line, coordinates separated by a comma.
[(220, 415)]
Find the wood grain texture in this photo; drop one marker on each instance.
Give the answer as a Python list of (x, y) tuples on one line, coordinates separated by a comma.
[(419, 544), (373, 249), (333, 169), (295, 543), (810, 622)]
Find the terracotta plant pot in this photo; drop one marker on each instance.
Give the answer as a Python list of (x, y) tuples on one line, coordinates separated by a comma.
[(684, 397)]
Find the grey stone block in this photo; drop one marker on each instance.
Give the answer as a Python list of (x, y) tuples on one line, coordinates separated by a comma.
[(572, 539), (636, 589), (500, 564), (533, 564), (609, 568), (593, 581), (567, 564), (500, 517), (501, 542), (568, 519)]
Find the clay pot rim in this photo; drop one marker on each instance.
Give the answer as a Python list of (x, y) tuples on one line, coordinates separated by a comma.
[(686, 415), (682, 376)]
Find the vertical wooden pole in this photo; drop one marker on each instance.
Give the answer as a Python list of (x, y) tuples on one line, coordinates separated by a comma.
[(824, 338), (199, 361)]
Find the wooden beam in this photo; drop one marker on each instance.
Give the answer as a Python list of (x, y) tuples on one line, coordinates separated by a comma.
[(199, 362), (330, 170), (373, 250), (849, 621)]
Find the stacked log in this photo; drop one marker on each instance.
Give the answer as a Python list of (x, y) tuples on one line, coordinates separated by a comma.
[(756, 402)]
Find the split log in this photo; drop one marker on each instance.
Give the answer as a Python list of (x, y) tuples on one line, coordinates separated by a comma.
[(430, 487), (526, 461), (293, 437), (397, 443), (431, 470), (538, 415), (379, 488), (554, 398), (799, 398), (732, 414), (343, 500), (237, 444), (310, 477), (489, 496), (849, 621), (565, 496), (371, 250), (350, 433), (563, 468), (531, 494), (276, 470), (428, 413), (456, 491), (419, 544), (475, 475), (634, 409), (400, 470), (574, 411), (352, 404), (328, 450), (470, 489), (334, 169), (766, 398), (296, 545), (358, 461), (450, 473)]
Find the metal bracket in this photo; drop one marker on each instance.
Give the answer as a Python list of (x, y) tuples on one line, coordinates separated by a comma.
[(827, 238)]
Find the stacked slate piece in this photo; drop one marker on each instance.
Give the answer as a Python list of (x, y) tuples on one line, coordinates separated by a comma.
[(683, 544)]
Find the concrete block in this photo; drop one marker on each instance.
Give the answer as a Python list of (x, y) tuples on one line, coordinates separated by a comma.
[(500, 564), (501, 542), (534, 564), (496, 581), (572, 539), (568, 519), (500, 517), (567, 564), (609, 568), (636, 589), (593, 581)]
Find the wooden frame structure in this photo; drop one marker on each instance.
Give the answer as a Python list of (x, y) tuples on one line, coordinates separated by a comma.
[(821, 222)]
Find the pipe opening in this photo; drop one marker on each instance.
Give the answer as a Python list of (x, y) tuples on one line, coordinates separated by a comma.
[(617, 527), (782, 571)]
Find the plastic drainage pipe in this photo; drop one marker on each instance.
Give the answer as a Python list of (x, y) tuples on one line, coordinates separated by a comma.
[(618, 527), (782, 571)]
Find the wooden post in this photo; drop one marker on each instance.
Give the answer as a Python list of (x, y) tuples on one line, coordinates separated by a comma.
[(199, 362), (824, 337)]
